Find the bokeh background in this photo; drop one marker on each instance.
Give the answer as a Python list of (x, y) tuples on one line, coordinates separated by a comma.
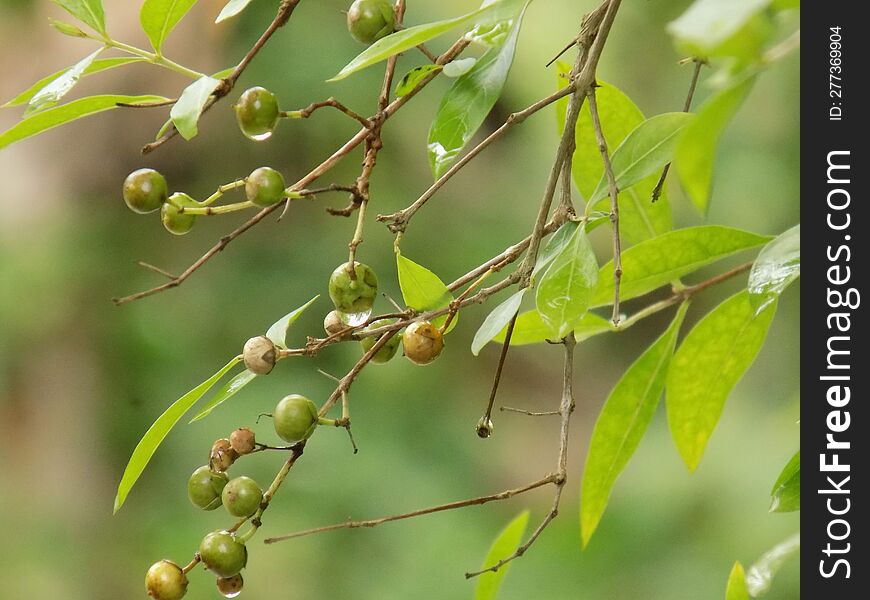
[(81, 379)]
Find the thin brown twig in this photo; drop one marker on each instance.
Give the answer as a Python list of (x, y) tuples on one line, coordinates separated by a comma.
[(484, 427), (546, 413), (154, 269), (330, 102)]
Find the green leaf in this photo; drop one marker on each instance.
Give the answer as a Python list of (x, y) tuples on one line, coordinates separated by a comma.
[(708, 24), (59, 87), (761, 573), (159, 429), (504, 545), (413, 78), (736, 589), (228, 390), (786, 493), (785, 4), (185, 113), (278, 331), (467, 103), (66, 28), (777, 265), (159, 17), (232, 8), (648, 148), (100, 64), (554, 246), (89, 12), (709, 363), (497, 320), (622, 423), (656, 262), (531, 329), (459, 67), (696, 148), (60, 115), (422, 290)]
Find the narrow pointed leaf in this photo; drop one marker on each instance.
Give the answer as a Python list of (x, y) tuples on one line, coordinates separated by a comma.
[(413, 78), (554, 246), (278, 331), (778, 264), (467, 103), (566, 288), (89, 12), (422, 290), (531, 329), (59, 87), (696, 148), (67, 28), (159, 17), (709, 363), (228, 390), (504, 545), (185, 113), (159, 429), (100, 64), (231, 9), (496, 321), (786, 493), (736, 589), (760, 575), (622, 423), (656, 262), (60, 115), (459, 67), (648, 148)]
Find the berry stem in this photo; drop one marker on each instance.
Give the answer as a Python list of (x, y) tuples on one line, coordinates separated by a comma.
[(295, 453), (217, 210), (223, 190), (152, 57)]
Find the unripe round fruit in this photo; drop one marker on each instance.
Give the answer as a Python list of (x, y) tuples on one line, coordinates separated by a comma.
[(230, 587), (388, 350), (265, 186), (370, 20), (260, 355), (257, 113), (166, 581), (242, 496), (422, 342), (144, 191), (332, 324), (295, 418), (242, 441), (176, 222), (204, 488), (222, 554), (353, 295), (222, 455)]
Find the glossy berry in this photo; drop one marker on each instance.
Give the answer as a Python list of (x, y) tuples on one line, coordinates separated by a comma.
[(222, 455), (242, 441), (166, 581), (388, 350), (144, 191), (422, 342), (242, 496), (295, 418), (332, 324), (353, 295), (222, 554), (204, 488), (265, 186), (370, 20), (230, 587), (257, 113), (174, 221), (260, 355)]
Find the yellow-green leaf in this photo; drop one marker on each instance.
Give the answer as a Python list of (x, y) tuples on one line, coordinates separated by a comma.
[(159, 17), (89, 12), (504, 545), (186, 111), (497, 320), (786, 493), (736, 589), (278, 331), (422, 289), (531, 329)]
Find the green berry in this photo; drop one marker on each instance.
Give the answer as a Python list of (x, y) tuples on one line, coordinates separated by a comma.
[(388, 350), (242, 496), (222, 554), (204, 488), (422, 342), (144, 191), (295, 418), (175, 222), (166, 581), (230, 587), (353, 295), (257, 113), (260, 355), (265, 186), (370, 20)]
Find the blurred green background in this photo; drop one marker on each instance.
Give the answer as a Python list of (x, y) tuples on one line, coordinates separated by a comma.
[(81, 379)]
